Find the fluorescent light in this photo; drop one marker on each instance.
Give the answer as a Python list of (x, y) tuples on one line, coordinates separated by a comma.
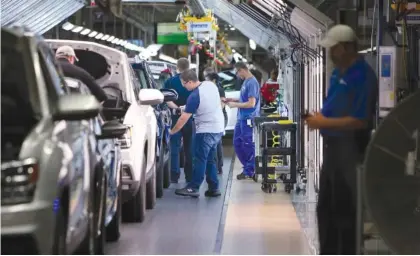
[(252, 44), (233, 50), (244, 60), (115, 40), (85, 31), (92, 34), (77, 29), (110, 39), (105, 37), (99, 36), (67, 26), (124, 43)]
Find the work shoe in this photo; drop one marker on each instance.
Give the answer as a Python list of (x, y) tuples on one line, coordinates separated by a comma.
[(174, 181), (243, 176), (212, 193), (187, 192), (220, 171)]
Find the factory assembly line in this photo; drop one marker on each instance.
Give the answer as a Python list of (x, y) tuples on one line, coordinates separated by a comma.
[(319, 101)]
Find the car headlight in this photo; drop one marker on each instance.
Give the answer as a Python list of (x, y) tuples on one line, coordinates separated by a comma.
[(126, 140), (18, 181)]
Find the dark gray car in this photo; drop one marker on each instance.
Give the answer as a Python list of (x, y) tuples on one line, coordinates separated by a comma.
[(53, 186)]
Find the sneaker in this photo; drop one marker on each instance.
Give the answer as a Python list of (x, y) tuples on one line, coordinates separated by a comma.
[(243, 176), (174, 181), (187, 192), (212, 193)]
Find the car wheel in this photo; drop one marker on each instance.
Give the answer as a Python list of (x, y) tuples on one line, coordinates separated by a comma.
[(151, 192), (159, 173), (135, 209), (113, 229), (60, 234)]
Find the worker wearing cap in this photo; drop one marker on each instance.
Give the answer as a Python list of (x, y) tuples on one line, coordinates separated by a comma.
[(66, 58), (345, 122)]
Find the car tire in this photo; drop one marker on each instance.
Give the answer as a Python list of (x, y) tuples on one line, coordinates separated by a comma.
[(113, 229), (135, 209), (60, 234), (151, 192), (159, 173)]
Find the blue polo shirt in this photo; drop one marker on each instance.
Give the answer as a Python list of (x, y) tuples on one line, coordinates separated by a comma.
[(351, 94), (250, 88), (175, 83)]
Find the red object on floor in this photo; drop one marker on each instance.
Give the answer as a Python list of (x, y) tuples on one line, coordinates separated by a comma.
[(269, 91)]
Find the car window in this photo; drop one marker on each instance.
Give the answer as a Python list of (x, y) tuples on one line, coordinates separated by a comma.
[(135, 82), (141, 76), (17, 96), (152, 81), (50, 71)]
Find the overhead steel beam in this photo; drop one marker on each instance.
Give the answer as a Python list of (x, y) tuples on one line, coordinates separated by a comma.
[(313, 12)]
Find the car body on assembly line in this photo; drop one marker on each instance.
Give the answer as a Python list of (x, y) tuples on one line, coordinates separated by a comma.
[(163, 115), (232, 86), (53, 182), (110, 153), (132, 106)]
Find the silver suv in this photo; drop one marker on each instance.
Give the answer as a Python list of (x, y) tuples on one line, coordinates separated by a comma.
[(52, 185)]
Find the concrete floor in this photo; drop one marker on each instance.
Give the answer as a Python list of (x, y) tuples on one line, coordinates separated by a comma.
[(244, 220)]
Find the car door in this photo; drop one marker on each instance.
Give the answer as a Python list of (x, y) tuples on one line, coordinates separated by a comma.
[(140, 83), (81, 142)]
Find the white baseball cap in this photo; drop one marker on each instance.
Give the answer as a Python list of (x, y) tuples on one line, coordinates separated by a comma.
[(338, 34), (65, 51)]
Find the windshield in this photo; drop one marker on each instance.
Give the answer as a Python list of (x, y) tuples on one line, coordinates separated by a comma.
[(230, 81), (162, 79)]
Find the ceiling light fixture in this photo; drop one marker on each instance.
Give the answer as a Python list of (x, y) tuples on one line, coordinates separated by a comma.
[(105, 37), (77, 29), (67, 26)]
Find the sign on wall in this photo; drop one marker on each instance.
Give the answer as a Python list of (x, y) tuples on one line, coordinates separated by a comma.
[(195, 27)]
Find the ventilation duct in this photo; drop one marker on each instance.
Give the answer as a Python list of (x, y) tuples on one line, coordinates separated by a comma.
[(37, 15)]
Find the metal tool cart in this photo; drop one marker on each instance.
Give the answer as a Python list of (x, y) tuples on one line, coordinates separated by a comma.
[(271, 135)]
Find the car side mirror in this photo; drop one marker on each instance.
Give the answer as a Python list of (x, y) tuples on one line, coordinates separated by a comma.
[(112, 130), (73, 107), (169, 95), (150, 97)]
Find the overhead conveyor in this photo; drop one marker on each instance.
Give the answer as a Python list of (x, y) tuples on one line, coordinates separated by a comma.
[(37, 15)]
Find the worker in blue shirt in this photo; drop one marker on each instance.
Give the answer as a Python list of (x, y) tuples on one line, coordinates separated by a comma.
[(187, 132), (345, 122), (248, 107)]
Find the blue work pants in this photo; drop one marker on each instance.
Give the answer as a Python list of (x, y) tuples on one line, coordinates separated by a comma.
[(205, 160), (244, 146), (187, 133)]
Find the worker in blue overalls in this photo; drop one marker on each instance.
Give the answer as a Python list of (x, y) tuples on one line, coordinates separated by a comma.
[(187, 132), (346, 121), (248, 107)]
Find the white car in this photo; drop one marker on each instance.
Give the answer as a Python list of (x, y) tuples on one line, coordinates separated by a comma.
[(112, 70), (158, 66)]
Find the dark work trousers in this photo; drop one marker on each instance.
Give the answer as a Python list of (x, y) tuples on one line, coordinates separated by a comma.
[(187, 133), (336, 209), (219, 156)]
